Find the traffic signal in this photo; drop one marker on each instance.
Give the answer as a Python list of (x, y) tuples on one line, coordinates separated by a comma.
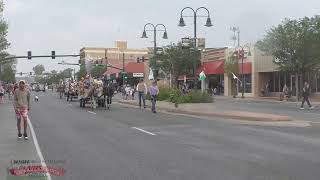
[(97, 63), (142, 58), (125, 76), (53, 54), (29, 55), (30, 73), (138, 60), (20, 73)]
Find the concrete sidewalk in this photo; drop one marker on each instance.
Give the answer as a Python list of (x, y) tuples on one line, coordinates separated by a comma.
[(210, 109), (12, 148), (263, 99)]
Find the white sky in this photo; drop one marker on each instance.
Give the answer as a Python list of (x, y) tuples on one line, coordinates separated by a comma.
[(68, 25)]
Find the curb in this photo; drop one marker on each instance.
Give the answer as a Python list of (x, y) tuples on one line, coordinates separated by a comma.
[(239, 115)]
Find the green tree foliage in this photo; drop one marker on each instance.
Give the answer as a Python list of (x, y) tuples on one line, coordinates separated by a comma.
[(295, 45), (97, 71), (4, 44), (82, 72), (176, 60), (38, 69), (67, 73), (231, 65), (8, 73)]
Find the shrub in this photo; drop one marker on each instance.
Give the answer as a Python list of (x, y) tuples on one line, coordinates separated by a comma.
[(175, 96), (199, 97)]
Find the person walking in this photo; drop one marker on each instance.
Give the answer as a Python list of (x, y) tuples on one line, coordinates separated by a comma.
[(154, 91), (142, 89), (109, 94), (1, 93), (22, 106), (305, 95)]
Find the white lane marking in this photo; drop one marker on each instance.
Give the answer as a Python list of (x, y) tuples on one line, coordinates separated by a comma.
[(143, 131), (35, 140), (92, 112)]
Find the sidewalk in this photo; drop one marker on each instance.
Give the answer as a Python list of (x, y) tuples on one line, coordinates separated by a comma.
[(210, 109), (263, 99), (12, 148)]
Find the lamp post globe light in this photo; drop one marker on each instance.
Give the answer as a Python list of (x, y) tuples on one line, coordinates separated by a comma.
[(155, 29), (195, 16)]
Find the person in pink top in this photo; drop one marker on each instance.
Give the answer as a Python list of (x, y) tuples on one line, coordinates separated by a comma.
[(22, 107)]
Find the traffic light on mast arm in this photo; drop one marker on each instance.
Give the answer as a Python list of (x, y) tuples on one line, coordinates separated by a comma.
[(53, 54), (29, 55)]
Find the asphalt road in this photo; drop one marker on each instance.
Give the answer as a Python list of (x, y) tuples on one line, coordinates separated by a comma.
[(133, 144)]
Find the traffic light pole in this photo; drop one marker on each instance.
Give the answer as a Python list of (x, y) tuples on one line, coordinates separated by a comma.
[(27, 57)]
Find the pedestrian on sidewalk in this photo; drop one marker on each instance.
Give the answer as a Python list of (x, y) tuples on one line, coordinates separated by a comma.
[(154, 91), (142, 90), (22, 106), (1, 94), (133, 92), (305, 95), (127, 90)]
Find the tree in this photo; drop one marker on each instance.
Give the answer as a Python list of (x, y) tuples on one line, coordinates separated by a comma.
[(4, 44), (82, 72), (54, 72), (295, 46), (176, 61), (97, 71), (67, 73), (231, 65), (38, 69), (8, 73)]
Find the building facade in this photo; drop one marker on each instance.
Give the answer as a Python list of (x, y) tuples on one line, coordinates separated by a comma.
[(259, 73), (119, 54)]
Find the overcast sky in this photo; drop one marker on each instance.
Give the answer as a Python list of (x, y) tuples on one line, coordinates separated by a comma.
[(68, 25)]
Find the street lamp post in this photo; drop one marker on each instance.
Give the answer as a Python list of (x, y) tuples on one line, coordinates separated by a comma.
[(165, 36), (195, 15), (240, 54)]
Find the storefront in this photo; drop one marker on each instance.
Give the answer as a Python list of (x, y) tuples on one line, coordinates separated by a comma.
[(214, 71), (274, 82)]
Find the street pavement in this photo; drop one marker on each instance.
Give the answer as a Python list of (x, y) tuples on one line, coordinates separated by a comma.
[(130, 143)]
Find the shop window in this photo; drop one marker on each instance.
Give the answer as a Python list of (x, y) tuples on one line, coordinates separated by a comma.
[(247, 83)]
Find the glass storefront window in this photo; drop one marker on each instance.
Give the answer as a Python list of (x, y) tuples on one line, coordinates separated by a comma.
[(248, 83)]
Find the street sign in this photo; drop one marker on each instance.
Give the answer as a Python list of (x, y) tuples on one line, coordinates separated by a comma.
[(138, 75), (159, 50)]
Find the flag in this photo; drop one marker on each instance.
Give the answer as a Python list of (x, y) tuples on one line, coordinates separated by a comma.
[(202, 76), (150, 74)]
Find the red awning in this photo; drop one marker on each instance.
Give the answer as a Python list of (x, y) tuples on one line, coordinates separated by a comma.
[(247, 68), (213, 67), (111, 70), (134, 67)]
